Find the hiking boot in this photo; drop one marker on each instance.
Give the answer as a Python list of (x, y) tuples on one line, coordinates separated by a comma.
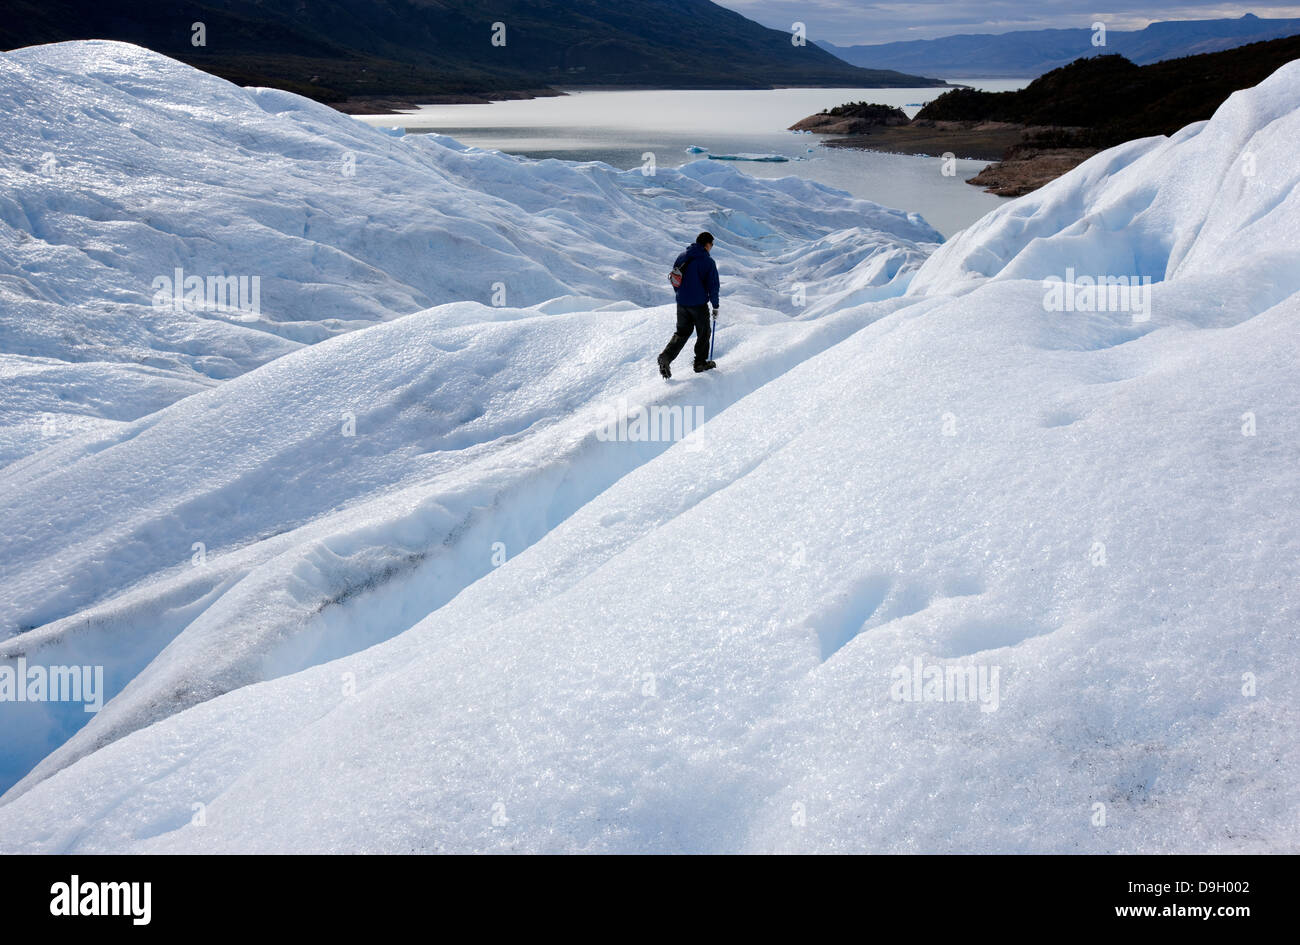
[(664, 370), (701, 366)]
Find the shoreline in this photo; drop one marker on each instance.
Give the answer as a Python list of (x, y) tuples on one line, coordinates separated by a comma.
[(396, 104), (1017, 165), (1014, 169), (988, 142)]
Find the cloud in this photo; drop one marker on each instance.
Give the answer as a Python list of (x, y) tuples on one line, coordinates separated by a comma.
[(850, 22)]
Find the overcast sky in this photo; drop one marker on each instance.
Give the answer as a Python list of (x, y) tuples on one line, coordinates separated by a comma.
[(848, 22)]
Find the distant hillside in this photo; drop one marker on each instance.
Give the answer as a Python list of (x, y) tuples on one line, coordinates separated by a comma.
[(1034, 52), (334, 50), (1062, 118), (1108, 100)]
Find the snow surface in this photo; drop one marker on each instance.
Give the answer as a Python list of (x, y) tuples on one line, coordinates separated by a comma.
[(117, 166), (477, 625)]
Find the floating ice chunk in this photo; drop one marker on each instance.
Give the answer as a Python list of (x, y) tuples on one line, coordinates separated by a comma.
[(768, 158)]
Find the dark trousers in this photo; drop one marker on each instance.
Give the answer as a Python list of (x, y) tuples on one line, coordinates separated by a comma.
[(690, 318)]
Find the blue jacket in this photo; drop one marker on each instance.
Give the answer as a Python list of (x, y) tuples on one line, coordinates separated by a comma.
[(700, 281)]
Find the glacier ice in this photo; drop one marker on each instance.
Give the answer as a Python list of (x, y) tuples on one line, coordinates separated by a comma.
[(474, 624)]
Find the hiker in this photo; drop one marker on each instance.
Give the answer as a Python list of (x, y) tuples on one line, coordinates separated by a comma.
[(699, 287)]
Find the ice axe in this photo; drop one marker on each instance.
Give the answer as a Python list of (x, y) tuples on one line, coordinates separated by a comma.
[(713, 334)]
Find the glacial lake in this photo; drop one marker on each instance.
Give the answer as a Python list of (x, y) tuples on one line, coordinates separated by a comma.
[(619, 127)]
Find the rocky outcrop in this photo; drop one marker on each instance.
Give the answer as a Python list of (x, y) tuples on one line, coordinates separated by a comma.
[(1027, 168), (856, 118)]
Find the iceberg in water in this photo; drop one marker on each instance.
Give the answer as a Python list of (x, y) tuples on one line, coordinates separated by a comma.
[(769, 158)]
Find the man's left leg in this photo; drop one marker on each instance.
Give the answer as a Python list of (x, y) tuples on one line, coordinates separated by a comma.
[(702, 334), (685, 322)]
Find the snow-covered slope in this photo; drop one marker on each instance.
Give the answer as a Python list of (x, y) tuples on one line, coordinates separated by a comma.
[(477, 624), (119, 167), (456, 408), (1217, 193)]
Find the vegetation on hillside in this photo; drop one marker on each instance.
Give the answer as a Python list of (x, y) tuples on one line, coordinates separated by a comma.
[(1106, 100)]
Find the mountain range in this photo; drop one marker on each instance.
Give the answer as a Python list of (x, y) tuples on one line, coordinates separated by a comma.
[(439, 50), (1034, 52)]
